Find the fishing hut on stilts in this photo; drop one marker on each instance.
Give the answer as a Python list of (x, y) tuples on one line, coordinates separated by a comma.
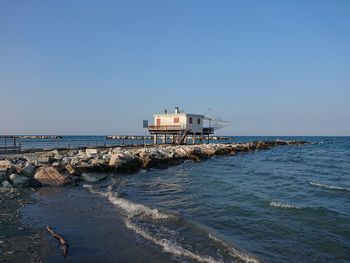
[(179, 127)]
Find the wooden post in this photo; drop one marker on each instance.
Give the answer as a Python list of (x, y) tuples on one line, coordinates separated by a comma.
[(193, 139), (164, 139), (155, 139)]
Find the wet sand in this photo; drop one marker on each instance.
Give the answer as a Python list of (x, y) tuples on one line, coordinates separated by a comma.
[(92, 227), (19, 241)]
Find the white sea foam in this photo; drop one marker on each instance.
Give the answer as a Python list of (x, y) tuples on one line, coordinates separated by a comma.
[(234, 252), (132, 209), (169, 246), (138, 210), (331, 187), (282, 205)]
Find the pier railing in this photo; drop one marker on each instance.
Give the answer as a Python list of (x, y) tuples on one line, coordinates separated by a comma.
[(9, 144), (14, 144), (18, 144)]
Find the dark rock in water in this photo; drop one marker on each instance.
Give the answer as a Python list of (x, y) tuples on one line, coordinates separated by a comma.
[(129, 165), (94, 177), (90, 167), (28, 170), (3, 175), (50, 176), (19, 180), (6, 184), (194, 157)]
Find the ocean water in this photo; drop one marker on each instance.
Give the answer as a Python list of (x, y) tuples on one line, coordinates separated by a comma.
[(286, 204)]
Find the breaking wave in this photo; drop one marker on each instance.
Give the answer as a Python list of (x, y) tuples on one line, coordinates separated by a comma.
[(136, 211), (330, 187), (132, 209), (169, 246), (234, 252), (282, 205)]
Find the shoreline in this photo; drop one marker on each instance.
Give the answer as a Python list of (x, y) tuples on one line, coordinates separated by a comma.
[(19, 240), (26, 173)]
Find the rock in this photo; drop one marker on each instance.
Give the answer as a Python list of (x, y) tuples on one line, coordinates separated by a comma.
[(6, 167), (65, 160), (91, 153), (115, 159), (6, 184), (117, 150), (56, 164), (58, 157), (146, 161), (50, 176), (45, 159), (94, 166), (73, 152), (52, 153), (94, 177), (74, 161), (129, 165), (106, 157), (28, 170), (98, 162), (125, 163), (3, 175), (194, 157), (19, 180), (70, 169)]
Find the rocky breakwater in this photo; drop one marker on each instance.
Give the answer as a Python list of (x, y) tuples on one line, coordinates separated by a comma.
[(63, 167)]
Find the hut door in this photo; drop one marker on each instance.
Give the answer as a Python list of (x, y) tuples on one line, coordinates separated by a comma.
[(158, 122)]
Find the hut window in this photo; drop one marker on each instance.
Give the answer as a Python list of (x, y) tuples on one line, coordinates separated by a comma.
[(190, 119), (198, 121), (176, 119)]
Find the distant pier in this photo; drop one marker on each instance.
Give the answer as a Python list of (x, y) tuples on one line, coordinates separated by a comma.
[(132, 137)]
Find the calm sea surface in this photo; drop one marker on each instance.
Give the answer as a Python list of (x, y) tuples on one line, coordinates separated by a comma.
[(286, 204)]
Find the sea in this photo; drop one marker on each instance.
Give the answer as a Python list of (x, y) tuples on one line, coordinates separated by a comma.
[(285, 204)]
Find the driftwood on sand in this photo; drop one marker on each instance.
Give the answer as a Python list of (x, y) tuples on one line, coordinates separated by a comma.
[(63, 242)]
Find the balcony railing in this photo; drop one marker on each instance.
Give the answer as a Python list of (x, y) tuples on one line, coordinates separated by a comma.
[(166, 127)]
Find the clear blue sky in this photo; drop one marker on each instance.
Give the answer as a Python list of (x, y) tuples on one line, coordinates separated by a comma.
[(101, 67)]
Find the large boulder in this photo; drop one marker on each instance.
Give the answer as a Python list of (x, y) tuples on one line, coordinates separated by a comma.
[(125, 163), (52, 153), (19, 180), (28, 170), (91, 153), (58, 157), (3, 175), (6, 167), (115, 159), (45, 159), (50, 176)]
